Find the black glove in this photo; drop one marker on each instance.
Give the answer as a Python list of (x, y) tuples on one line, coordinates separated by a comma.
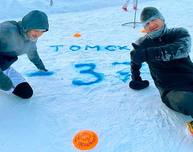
[(44, 70), (138, 84), (138, 55)]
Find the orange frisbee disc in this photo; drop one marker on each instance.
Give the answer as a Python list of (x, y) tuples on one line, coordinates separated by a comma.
[(77, 35), (85, 140)]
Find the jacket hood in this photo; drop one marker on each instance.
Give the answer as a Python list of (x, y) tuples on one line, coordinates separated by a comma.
[(35, 20)]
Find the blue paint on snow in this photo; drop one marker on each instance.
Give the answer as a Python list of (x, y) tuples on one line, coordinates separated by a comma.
[(39, 73), (89, 70)]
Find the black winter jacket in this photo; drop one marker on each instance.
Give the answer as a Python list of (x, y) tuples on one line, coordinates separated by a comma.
[(168, 60)]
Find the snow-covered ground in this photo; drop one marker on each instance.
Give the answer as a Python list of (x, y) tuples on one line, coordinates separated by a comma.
[(99, 99)]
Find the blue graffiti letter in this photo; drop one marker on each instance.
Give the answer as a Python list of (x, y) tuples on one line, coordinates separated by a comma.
[(110, 47), (56, 47), (92, 47), (75, 48), (123, 48)]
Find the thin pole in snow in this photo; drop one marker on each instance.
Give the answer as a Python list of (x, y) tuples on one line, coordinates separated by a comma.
[(51, 2), (135, 9)]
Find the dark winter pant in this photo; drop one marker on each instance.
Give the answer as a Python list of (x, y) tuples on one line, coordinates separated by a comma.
[(180, 101), (21, 88)]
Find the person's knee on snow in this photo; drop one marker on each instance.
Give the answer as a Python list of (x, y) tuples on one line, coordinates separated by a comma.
[(181, 101), (186, 104), (23, 90)]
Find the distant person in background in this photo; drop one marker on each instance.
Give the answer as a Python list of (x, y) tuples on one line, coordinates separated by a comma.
[(166, 51), (18, 38), (125, 5)]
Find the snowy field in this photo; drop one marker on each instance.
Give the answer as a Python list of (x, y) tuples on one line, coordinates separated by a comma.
[(89, 86)]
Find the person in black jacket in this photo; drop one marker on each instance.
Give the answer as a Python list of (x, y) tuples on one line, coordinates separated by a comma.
[(166, 51)]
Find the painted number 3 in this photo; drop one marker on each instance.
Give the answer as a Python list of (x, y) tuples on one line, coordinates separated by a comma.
[(88, 68)]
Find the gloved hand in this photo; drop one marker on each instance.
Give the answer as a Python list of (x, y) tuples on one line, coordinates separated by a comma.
[(5, 82), (138, 55), (44, 70), (138, 84)]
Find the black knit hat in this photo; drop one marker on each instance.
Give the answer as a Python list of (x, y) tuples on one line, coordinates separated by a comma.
[(35, 20), (150, 13)]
